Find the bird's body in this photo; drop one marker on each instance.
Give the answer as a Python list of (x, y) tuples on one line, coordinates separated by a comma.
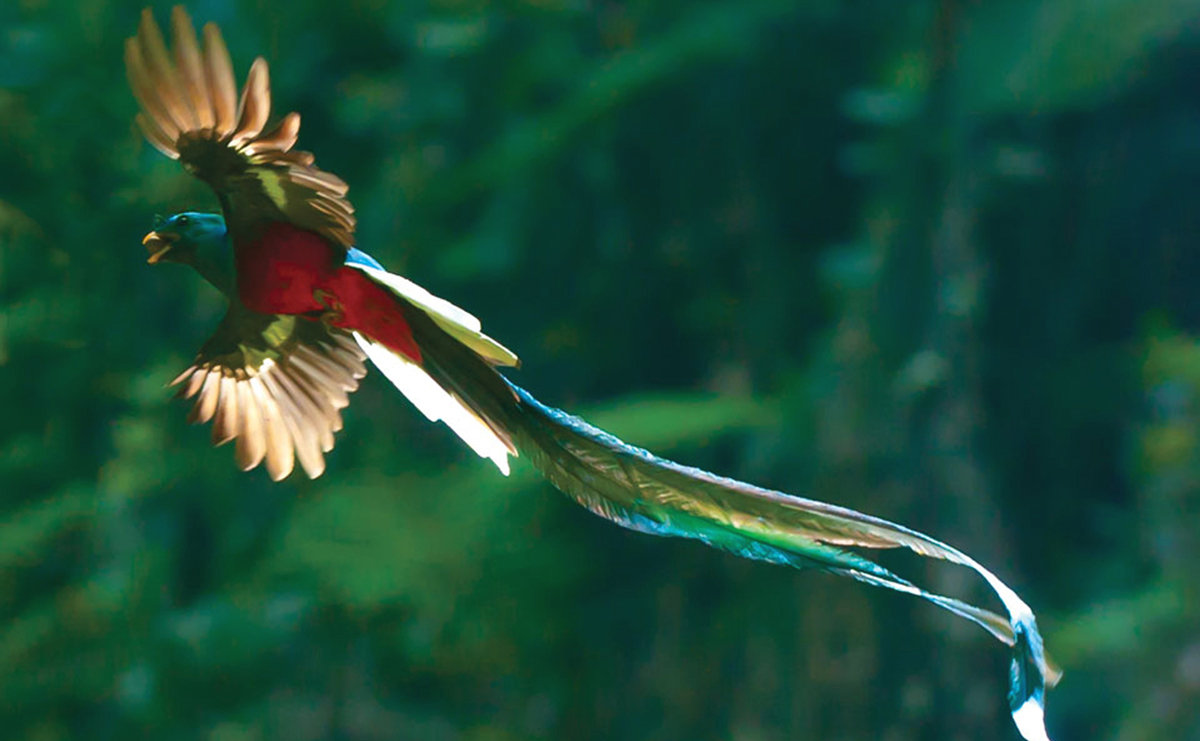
[(289, 270), (307, 308), (281, 269)]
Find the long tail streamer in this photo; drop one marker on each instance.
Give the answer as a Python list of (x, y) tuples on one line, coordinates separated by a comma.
[(638, 490)]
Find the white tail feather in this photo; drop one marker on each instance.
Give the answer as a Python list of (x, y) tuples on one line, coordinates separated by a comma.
[(459, 323), (435, 402), (1030, 720)]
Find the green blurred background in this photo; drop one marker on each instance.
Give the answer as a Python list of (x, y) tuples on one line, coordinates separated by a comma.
[(932, 260)]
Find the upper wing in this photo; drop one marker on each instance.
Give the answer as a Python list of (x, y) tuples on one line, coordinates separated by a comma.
[(276, 383), (190, 112)]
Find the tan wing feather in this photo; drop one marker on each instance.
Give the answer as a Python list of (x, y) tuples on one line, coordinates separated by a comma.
[(162, 73), (191, 67), (304, 436), (255, 107), (206, 405), (323, 420), (281, 138), (143, 86), (222, 88), (225, 422), (156, 136), (251, 443)]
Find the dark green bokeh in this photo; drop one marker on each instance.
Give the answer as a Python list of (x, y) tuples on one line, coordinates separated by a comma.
[(933, 260)]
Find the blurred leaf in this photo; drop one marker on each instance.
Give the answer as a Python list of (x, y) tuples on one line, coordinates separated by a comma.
[(1040, 57), (28, 532), (1116, 628)]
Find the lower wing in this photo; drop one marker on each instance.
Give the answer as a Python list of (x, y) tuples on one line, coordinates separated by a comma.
[(276, 385)]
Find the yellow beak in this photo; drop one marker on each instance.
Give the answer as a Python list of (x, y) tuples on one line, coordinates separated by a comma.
[(158, 244)]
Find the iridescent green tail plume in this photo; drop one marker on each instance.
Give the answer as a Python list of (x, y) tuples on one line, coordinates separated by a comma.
[(641, 491), (638, 490)]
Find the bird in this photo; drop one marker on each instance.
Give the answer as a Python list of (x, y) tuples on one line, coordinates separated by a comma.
[(307, 310)]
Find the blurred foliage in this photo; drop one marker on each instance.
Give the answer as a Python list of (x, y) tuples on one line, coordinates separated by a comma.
[(935, 260)]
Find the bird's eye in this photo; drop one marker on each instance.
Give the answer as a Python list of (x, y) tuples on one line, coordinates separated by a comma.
[(183, 220)]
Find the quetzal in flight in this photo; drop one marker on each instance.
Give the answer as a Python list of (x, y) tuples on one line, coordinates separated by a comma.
[(306, 309)]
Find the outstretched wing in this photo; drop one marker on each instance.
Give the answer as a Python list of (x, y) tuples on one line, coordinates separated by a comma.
[(276, 384), (190, 112)]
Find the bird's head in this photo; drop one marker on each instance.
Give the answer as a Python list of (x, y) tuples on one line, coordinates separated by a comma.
[(187, 238)]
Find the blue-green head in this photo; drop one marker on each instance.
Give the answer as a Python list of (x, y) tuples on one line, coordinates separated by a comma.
[(184, 236), (196, 239)]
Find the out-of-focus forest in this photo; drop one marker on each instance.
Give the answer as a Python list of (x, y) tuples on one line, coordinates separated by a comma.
[(934, 260)]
